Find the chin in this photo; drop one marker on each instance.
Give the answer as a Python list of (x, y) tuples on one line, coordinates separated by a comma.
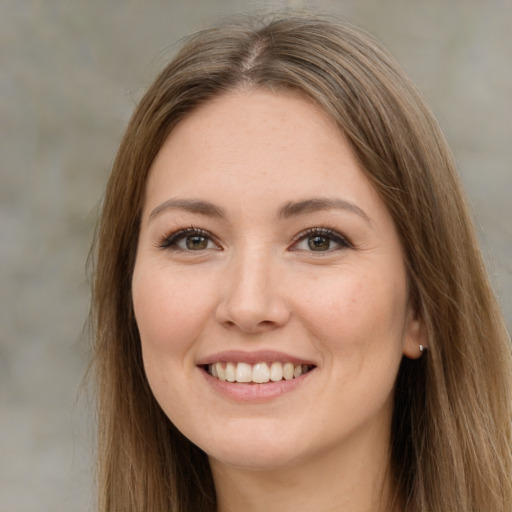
[(256, 459), (254, 451)]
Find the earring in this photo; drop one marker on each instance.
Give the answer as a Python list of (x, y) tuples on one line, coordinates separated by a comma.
[(423, 349)]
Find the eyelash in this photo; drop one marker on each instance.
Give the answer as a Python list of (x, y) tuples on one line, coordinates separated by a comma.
[(170, 242), (323, 232)]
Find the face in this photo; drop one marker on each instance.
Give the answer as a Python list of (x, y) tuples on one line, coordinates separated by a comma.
[(269, 287)]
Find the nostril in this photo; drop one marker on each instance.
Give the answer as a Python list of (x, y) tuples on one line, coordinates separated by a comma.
[(256, 327)]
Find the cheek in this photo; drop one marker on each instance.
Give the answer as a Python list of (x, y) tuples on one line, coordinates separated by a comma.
[(356, 313), (169, 311)]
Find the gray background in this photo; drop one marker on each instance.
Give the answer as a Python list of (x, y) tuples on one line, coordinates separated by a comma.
[(70, 74)]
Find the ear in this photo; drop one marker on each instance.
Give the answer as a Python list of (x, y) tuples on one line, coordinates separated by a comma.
[(415, 335)]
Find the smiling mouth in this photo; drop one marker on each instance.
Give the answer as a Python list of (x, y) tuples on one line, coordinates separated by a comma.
[(259, 373)]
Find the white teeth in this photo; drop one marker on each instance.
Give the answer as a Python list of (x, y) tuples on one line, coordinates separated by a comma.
[(288, 371), (243, 372), (230, 372), (221, 371), (276, 372), (259, 373)]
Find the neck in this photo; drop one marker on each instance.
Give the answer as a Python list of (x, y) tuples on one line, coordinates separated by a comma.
[(346, 479)]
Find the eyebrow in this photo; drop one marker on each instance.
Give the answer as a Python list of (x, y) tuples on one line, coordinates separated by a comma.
[(320, 203), (289, 209), (190, 205)]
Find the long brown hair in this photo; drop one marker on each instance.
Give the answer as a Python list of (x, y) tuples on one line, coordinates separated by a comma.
[(451, 439)]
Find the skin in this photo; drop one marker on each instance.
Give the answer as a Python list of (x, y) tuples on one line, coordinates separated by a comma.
[(254, 283)]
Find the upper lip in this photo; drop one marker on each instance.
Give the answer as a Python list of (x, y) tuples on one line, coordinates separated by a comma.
[(259, 356)]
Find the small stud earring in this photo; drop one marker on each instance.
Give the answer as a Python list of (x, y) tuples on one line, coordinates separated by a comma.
[(423, 349)]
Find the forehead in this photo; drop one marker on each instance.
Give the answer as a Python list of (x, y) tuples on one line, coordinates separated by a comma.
[(249, 146), (267, 119), (259, 128)]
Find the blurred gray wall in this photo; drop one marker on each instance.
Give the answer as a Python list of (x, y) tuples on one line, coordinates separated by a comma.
[(70, 74)]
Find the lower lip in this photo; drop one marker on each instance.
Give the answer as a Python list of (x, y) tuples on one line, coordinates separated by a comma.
[(252, 392)]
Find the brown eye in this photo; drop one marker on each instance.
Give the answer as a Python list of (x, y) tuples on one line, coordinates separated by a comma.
[(196, 242), (320, 240), (319, 243), (189, 239)]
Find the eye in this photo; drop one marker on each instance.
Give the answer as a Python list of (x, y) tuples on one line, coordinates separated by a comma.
[(189, 239), (320, 240)]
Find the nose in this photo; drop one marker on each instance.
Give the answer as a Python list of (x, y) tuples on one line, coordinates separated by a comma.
[(252, 296)]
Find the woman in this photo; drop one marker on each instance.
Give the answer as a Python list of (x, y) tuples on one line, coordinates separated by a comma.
[(290, 307)]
